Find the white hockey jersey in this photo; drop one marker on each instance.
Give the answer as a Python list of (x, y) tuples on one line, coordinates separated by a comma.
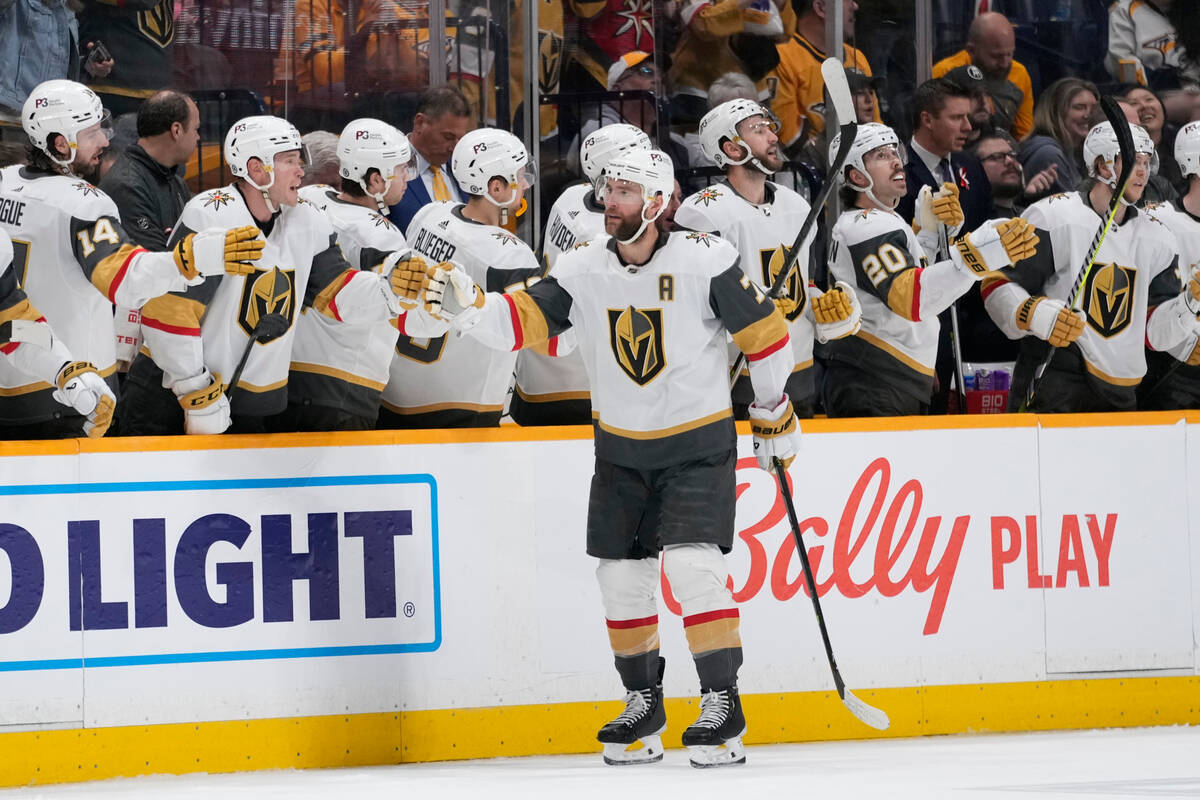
[(653, 341), (344, 364), (1134, 270), (456, 373), (763, 235), (211, 324)]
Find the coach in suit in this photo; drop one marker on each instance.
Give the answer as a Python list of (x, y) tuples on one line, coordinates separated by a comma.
[(443, 117)]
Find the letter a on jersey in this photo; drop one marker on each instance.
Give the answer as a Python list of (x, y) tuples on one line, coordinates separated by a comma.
[(270, 292), (1109, 293), (636, 335)]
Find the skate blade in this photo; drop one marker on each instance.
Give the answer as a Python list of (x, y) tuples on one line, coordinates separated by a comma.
[(721, 755), (621, 755)]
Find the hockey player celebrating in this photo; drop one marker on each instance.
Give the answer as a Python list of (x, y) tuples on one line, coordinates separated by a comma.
[(1173, 375), (651, 312), (456, 382), (74, 260), (760, 218), (241, 328), (1099, 357), (553, 390), (887, 368)]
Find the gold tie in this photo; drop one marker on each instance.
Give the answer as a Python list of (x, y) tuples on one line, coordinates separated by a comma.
[(441, 192)]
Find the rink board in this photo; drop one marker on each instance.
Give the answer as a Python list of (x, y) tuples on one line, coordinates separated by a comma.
[(225, 603)]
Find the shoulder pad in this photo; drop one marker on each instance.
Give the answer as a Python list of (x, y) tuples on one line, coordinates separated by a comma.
[(85, 201)]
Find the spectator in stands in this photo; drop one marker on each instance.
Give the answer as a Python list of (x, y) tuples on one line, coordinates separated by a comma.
[(997, 151), (39, 40), (1143, 46), (323, 164), (970, 78), (608, 30), (633, 72), (666, 220), (1061, 121), (1158, 189), (991, 42), (1152, 115), (730, 86), (800, 89), (443, 117), (139, 35)]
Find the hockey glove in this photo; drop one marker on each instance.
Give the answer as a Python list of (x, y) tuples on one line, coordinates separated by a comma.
[(408, 274), (451, 292), (81, 387), (1192, 293), (1051, 320), (776, 433), (837, 313), (217, 252), (994, 245), (205, 407), (938, 208)]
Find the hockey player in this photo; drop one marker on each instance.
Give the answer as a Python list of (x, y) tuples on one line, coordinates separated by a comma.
[(651, 312), (761, 219), (456, 382), (1099, 357), (1173, 375), (196, 340), (887, 368), (73, 258), (553, 390), (339, 368)]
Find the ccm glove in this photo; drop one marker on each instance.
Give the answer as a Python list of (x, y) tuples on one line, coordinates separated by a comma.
[(1050, 320), (205, 407), (451, 292), (81, 387), (994, 245), (776, 433), (218, 252), (837, 312)]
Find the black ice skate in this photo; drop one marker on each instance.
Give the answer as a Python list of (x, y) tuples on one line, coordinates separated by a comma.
[(643, 721), (715, 739)]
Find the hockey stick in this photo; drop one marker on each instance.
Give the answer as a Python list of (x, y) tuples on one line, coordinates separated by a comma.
[(843, 106), (955, 334), (870, 715), (1116, 117), (270, 326)]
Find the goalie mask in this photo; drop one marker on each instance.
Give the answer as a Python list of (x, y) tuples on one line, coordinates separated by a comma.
[(63, 107), (721, 125), (871, 136), (606, 144), (262, 138), (1101, 143), (369, 144), (651, 170), (488, 153)]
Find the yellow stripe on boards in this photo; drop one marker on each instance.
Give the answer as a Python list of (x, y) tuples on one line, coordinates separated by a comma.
[(61, 756)]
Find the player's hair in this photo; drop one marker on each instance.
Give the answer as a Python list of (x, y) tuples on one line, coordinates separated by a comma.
[(354, 188), (801, 7), (443, 100), (322, 152), (931, 97), (12, 153), (37, 159), (731, 86), (160, 111)]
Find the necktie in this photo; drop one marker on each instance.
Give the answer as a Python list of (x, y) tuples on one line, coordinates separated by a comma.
[(944, 168), (441, 192)]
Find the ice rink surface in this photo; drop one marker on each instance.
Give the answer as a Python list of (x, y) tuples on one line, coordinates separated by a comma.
[(1102, 764)]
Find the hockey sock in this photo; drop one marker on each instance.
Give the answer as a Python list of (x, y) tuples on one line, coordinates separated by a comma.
[(628, 588), (697, 574)]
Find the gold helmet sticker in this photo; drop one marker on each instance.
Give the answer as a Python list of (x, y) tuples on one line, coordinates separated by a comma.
[(636, 335)]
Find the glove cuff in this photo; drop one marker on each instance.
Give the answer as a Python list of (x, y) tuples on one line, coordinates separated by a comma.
[(769, 423), (1024, 315), (185, 258), (70, 370), (199, 392)]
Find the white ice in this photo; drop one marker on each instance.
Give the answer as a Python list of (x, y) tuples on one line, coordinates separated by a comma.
[(1102, 764)]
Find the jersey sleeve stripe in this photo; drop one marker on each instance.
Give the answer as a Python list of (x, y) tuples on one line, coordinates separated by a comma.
[(172, 313), (110, 272), (20, 310), (326, 301), (990, 285), (518, 339), (904, 296), (528, 321), (760, 339)]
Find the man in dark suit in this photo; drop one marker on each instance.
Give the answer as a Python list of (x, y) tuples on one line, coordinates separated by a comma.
[(443, 117)]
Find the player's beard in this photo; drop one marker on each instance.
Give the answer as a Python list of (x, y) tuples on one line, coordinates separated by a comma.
[(626, 228)]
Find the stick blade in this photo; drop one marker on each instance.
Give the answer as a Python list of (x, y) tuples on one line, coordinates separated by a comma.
[(870, 715), (838, 88)]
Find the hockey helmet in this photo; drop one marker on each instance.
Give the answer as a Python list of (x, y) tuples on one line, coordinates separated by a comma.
[(367, 144), (1187, 149), (721, 124), (262, 138), (605, 144), (870, 136), (650, 169), (1101, 142), (64, 107), (487, 153)]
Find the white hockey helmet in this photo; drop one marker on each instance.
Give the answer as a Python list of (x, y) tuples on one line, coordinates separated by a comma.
[(262, 138), (605, 144), (367, 144), (721, 124), (650, 169), (1187, 148), (63, 107), (1101, 142), (487, 153), (870, 136)]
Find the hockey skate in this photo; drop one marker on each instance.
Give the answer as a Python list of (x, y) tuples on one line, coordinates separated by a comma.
[(715, 739), (642, 722)]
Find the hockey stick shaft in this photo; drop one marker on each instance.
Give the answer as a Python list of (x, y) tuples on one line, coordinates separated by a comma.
[(955, 331), (1116, 117), (870, 715)]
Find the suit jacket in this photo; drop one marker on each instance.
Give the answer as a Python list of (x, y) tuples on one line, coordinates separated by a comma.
[(415, 196), (974, 189)]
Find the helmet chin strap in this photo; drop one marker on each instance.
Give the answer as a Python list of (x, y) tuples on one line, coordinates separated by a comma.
[(271, 207), (869, 191), (752, 159), (645, 222), (1111, 181), (512, 194)]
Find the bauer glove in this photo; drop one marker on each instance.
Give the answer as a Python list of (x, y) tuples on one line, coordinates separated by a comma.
[(81, 387), (776, 433), (837, 313), (1051, 320), (994, 245)]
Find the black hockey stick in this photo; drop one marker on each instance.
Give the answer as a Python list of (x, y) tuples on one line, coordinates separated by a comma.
[(270, 326), (870, 715), (1116, 117), (843, 104)]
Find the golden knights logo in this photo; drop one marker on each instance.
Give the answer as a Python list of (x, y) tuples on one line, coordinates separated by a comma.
[(701, 237), (267, 292), (87, 189), (218, 198), (158, 24), (1108, 298), (636, 335), (772, 262), (706, 196)]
